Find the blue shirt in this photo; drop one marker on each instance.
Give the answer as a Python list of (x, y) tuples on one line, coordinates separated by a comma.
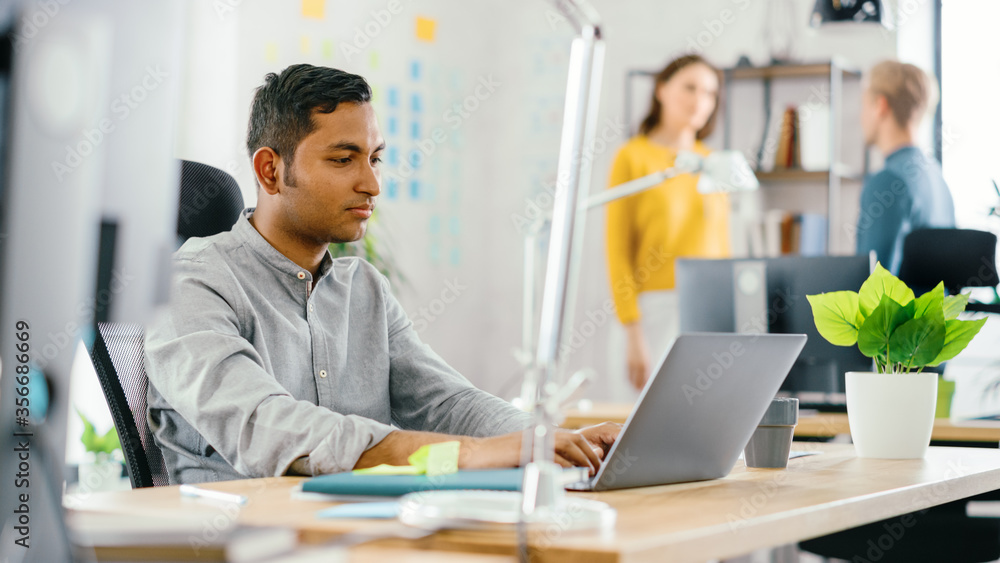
[(908, 194)]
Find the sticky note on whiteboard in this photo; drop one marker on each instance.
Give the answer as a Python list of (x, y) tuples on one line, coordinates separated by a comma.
[(313, 9), (425, 29), (271, 52)]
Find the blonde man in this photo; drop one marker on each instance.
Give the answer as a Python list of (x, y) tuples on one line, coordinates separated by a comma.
[(910, 192)]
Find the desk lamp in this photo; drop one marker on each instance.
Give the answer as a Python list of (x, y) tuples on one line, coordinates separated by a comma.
[(543, 503)]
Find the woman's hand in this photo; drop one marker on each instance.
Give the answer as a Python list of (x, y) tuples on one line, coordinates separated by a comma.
[(638, 356)]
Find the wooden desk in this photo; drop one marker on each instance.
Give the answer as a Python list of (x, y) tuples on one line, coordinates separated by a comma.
[(692, 522), (816, 425)]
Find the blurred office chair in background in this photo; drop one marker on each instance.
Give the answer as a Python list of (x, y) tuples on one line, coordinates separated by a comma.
[(960, 258)]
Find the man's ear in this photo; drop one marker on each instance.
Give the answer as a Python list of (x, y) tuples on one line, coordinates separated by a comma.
[(882, 106), (265, 167)]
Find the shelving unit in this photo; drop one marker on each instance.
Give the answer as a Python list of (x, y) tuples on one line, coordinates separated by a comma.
[(835, 72)]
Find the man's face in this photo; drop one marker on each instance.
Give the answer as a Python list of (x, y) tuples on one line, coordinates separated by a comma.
[(333, 183)]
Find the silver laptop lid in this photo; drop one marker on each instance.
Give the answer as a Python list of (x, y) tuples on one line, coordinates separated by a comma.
[(699, 408)]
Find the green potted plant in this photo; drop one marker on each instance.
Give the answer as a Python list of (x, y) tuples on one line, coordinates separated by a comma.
[(891, 410), (368, 248), (103, 470)]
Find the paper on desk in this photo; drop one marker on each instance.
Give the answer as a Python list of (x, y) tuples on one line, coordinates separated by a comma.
[(361, 510), (432, 459)]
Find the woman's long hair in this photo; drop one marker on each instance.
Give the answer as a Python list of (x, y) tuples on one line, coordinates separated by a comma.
[(656, 108)]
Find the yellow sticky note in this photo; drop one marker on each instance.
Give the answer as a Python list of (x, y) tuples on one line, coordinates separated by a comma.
[(425, 29), (313, 9), (271, 52), (432, 459), (386, 469), (304, 44), (328, 49), (373, 59), (443, 458), (437, 459)]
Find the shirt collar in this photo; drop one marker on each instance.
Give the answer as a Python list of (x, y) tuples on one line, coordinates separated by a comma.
[(901, 151), (253, 239)]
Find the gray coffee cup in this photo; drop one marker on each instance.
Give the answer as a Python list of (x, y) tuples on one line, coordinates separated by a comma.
[(772, 440)]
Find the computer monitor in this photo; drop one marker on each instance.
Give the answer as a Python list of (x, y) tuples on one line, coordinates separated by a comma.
[(757, 295), (88, 207)]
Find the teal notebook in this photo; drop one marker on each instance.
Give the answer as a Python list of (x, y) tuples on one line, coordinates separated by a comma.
[(397, 485)]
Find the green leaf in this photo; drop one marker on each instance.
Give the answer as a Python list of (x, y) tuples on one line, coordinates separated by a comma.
[(107, 443), (954, 304), (879, 284), (875, 332), (918, 341), (89, 435), (931, 301), (957, 336), (836, 316)]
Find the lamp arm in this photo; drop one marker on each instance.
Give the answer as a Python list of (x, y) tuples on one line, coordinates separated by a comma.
[(628, 188)]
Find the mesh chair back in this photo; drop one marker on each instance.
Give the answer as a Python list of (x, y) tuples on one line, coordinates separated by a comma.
[(120, 364)]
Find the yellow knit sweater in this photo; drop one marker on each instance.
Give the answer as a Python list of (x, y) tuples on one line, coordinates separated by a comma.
[(648, 230)]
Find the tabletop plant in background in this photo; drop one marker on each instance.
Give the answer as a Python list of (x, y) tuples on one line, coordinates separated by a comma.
[(103, 446), (900, 332), (891, 410), (369, 248), (104, 472)]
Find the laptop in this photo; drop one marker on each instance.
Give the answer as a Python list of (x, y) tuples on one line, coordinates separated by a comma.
[(698, 410)]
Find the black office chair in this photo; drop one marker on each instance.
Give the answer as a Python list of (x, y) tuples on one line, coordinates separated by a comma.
[(958, 257), (210, 203)]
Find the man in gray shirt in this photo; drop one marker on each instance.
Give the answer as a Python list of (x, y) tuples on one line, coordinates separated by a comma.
[(274, 358)]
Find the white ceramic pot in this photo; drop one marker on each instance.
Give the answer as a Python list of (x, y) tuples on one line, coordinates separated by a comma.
[(891, 415)]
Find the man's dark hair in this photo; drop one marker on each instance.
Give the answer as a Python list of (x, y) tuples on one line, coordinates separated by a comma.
[(282, 108)]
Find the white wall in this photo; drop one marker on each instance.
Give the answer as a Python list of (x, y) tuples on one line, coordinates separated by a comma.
[(494, 165)]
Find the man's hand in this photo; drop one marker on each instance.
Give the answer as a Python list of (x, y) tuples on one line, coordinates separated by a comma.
[(602, 435), (581, 448)]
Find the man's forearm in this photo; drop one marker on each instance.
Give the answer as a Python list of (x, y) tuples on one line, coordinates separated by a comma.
[(583, 448), (395, 448)]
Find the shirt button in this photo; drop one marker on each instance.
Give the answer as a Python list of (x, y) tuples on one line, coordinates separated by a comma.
[(301, 275), (310, 306), (322, 373)]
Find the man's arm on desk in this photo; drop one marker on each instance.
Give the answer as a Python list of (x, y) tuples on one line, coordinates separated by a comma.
[(584, 448)]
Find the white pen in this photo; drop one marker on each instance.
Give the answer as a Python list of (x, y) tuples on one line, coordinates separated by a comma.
[(192, 491)]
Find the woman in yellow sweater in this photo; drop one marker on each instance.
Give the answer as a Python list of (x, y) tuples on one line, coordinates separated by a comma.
[(646, 232)]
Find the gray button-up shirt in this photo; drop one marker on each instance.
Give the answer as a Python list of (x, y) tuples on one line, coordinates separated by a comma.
[(249, 369)]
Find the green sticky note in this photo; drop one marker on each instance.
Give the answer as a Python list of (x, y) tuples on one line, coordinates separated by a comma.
[(437, 459), (386, 469), (432, 459)]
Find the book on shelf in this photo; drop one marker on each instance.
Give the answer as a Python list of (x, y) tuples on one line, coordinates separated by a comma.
[(788, 155), (801, 140), (785, 233)]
